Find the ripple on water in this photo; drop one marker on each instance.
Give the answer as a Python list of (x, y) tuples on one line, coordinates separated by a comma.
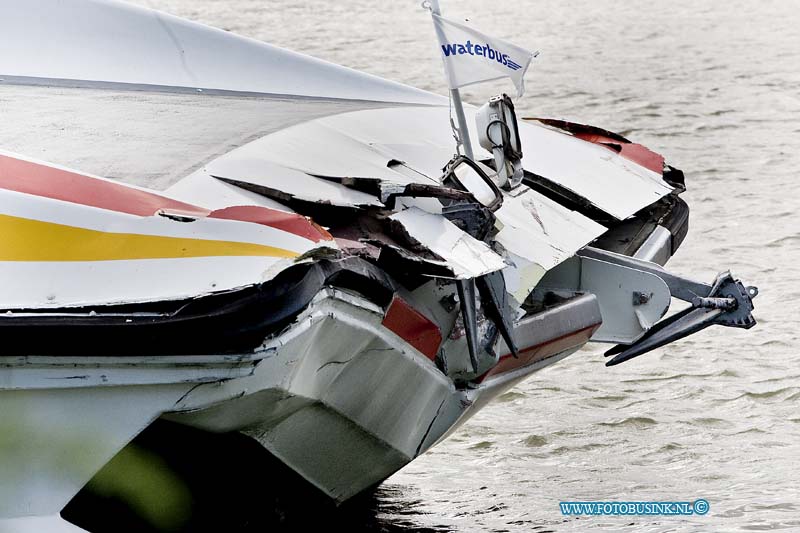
[(610, 398), (709, 422), (634, 421), (510, 396), (585, 447), (787, 392), (534, 441), (786, 240)]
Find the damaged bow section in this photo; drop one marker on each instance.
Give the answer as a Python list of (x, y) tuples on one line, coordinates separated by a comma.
[(346, 262), (321, 272)]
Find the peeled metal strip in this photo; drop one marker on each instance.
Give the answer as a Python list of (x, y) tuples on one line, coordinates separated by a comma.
[(246, 168)]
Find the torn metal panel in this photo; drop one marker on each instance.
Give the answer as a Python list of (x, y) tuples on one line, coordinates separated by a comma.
[(541, 230), (641, 233), (374, 138), (566, 325), (420, 141), (497, 307), (408, 194), (538, 234), (627, 149), (611, 182), (467, 256), (412, 146), (202, 189), (245, 168)]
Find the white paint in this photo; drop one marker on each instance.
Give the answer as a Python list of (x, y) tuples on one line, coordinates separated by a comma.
[(614, 184), (116, 42), (465, 255)]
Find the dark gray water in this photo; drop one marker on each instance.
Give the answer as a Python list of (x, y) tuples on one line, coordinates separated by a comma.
[(715, 87)]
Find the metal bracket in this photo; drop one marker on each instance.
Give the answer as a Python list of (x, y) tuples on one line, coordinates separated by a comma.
[(726, 302)]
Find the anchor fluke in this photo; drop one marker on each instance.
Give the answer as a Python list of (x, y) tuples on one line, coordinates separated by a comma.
[(727, 303)]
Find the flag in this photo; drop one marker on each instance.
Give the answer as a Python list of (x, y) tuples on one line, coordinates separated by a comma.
[(472, 57)]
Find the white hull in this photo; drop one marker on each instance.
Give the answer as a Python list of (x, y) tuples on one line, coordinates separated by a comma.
[(340, 399)]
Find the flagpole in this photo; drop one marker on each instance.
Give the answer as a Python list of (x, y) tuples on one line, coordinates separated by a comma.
[(455, 95)]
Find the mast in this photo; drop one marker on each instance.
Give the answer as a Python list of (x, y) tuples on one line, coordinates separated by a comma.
[(455, 95)]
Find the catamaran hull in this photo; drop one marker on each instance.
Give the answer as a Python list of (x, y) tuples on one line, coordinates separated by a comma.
[(337, 396)]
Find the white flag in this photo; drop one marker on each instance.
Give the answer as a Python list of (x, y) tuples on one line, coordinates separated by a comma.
[(472, 57)]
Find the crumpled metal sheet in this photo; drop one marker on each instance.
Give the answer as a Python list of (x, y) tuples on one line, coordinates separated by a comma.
[(362, 143), (386, 150), (538, 234), (468, 257)]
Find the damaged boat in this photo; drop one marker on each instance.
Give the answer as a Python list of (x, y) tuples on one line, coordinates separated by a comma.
[(202, 228)]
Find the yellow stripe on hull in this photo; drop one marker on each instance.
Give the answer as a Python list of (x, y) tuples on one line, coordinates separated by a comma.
[(22, 239)]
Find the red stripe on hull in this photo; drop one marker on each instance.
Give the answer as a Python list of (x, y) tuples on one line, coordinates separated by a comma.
[(639, 154), (413, 327), (41, 180), (37, 179), (536, 353)]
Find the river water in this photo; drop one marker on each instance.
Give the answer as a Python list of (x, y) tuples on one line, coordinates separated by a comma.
[(713, 86)]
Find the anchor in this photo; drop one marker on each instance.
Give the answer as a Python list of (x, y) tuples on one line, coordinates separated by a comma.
[(726, 302)]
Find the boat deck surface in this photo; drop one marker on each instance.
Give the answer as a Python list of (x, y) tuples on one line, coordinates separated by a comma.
[(147, 138)]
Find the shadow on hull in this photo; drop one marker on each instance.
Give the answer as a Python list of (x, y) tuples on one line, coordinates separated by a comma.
[(174, 478)]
